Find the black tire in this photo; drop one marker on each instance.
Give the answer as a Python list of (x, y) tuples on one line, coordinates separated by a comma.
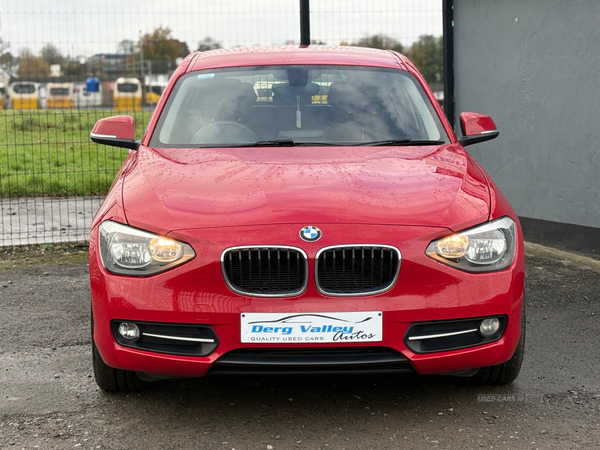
[(113, 380), (506, 372)]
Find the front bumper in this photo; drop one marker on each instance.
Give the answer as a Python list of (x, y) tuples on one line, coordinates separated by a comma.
[(196, 294)]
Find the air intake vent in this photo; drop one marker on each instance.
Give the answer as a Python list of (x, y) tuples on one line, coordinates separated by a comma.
[(265, 271), (173, 339), (343, 361), (357, 270)]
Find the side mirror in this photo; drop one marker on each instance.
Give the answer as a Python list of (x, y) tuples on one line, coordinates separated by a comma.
[(476, 128), (117, 131)]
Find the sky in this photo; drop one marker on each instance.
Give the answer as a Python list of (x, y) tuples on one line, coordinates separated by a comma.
[(85, 27)]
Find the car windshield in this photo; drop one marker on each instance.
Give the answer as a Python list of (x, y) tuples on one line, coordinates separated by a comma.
[(59, 92), (24, 88), (297, 105), (127, 87)]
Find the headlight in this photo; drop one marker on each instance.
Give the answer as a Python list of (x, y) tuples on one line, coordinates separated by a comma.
[(128, 251), (484, 248)]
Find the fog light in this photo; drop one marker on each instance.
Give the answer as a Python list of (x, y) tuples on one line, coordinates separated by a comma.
[(489, 327), (129, 330)]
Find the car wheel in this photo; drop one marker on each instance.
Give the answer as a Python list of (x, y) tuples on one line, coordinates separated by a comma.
[(110, 379), (114, 380), (506, 372)]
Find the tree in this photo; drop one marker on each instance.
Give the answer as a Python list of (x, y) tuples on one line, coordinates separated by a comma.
[(181, 47), (3, 46), (7, 60), (208, 43), (32, 66), (51, 55), (381, 41), (428, 55), (74, 66), (160, 46), (126, 47)]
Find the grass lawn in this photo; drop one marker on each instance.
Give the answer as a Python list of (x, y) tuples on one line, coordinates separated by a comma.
[(49, 152)]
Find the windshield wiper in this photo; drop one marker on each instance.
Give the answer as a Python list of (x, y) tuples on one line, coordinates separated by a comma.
[(401, 142), (291, 143), (269, 143), (273, 143)]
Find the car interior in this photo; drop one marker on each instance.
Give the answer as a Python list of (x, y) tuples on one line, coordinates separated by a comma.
[(299, 104)]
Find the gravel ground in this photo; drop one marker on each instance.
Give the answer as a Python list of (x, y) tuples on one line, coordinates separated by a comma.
[(48, 398)]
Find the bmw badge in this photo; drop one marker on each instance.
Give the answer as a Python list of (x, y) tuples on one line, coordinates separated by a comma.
[(310, 234)]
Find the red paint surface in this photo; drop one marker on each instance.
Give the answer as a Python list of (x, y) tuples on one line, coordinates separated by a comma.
[(214, 199), (120, 126), (430, 186), (475, 123)]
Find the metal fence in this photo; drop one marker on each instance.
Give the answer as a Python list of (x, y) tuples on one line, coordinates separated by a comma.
[(63, 65)]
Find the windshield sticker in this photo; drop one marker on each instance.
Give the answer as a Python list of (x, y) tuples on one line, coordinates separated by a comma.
[(205, 76)]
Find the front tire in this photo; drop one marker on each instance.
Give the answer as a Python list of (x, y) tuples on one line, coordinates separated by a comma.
[(506, 372), (114, 380), (110, 379)]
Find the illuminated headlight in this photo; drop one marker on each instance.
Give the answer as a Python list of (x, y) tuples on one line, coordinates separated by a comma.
[(484, 248), (129, 251)]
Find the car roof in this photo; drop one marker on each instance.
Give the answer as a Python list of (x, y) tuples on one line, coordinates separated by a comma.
[(287, 55)]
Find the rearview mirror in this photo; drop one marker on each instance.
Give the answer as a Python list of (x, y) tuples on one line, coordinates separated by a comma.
[(476, 128), (117, 131)]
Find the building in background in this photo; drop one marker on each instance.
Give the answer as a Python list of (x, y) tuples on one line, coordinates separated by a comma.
[(525, 63)]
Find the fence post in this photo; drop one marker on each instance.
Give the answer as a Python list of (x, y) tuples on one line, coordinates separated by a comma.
[(304, 22), (449, 101)]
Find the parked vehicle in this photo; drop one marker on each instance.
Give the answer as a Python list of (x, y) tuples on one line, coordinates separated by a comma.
[(84, 99), (24, 95), (154, 91), (127, 94), (321, 97), (60, 95), (351, 236), (263, 91), (3, 96)]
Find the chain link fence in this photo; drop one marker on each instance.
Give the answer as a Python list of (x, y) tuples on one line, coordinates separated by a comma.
[(65, 64)]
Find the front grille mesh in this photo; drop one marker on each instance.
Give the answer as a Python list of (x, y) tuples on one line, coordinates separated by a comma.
[(340, 360), (265, 271), (359, 270)]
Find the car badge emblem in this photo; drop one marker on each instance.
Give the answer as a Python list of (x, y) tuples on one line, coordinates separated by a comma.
[(310, 234)]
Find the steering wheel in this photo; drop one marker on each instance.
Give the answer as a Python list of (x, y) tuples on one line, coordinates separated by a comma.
[(224, 132)]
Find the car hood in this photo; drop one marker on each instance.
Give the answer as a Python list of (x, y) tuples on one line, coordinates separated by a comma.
[(438, 186)]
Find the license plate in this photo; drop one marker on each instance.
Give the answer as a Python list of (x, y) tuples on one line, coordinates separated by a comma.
[(286, 328)]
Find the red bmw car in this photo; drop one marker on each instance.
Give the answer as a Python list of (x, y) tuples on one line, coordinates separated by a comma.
[(303, 210)]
